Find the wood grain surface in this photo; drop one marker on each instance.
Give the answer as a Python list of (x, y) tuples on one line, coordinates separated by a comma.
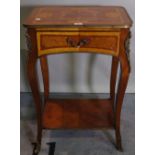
[(78, 113), (106, 16), (97, 42)]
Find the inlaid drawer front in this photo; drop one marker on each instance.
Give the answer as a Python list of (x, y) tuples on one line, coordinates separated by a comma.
[(60, 42)]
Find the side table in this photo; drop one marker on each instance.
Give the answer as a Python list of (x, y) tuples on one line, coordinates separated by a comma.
[(91, 29)]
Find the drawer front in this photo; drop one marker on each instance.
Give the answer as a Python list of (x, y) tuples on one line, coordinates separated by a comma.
[(63, 42)]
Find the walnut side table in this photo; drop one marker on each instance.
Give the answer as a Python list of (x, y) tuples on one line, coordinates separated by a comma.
[(65, 29)]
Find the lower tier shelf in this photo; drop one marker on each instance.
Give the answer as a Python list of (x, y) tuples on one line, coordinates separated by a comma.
[(78, 114)]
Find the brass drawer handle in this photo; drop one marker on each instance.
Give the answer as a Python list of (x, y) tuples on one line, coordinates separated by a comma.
[(72, 43), (83, 42)]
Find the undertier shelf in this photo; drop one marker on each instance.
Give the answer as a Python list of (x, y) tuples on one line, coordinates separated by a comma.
[(78, 114)]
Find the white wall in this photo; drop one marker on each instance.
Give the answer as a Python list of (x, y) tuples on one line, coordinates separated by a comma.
[(77, 72)]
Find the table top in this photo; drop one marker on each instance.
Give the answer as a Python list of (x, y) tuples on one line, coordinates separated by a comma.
[(104, 16)]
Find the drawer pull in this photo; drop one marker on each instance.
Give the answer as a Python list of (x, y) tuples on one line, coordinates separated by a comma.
[(73, 43), (83, 42)]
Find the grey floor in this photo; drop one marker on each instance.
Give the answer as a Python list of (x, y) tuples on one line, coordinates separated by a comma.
[(78, 142)]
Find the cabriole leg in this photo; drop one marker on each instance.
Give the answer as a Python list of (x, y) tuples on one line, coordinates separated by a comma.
[(32, 77), (119, 100), (124, 76)]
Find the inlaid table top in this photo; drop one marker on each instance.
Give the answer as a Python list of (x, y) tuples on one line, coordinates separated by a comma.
[(106, 16)]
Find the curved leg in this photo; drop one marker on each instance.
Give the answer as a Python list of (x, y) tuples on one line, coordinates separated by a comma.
[(121, 91), (44, 69), (124, 75), (113, 78), (32, 77)]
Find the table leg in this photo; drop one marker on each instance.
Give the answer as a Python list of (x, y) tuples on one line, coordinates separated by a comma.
[(119, 100), (32, 77), (114, 68), (45, 74), (124, 76)]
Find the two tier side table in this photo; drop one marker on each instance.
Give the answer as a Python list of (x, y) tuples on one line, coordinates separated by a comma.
[(82, 29)]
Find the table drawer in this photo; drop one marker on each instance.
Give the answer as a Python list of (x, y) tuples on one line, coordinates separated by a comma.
[(62, 42)]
